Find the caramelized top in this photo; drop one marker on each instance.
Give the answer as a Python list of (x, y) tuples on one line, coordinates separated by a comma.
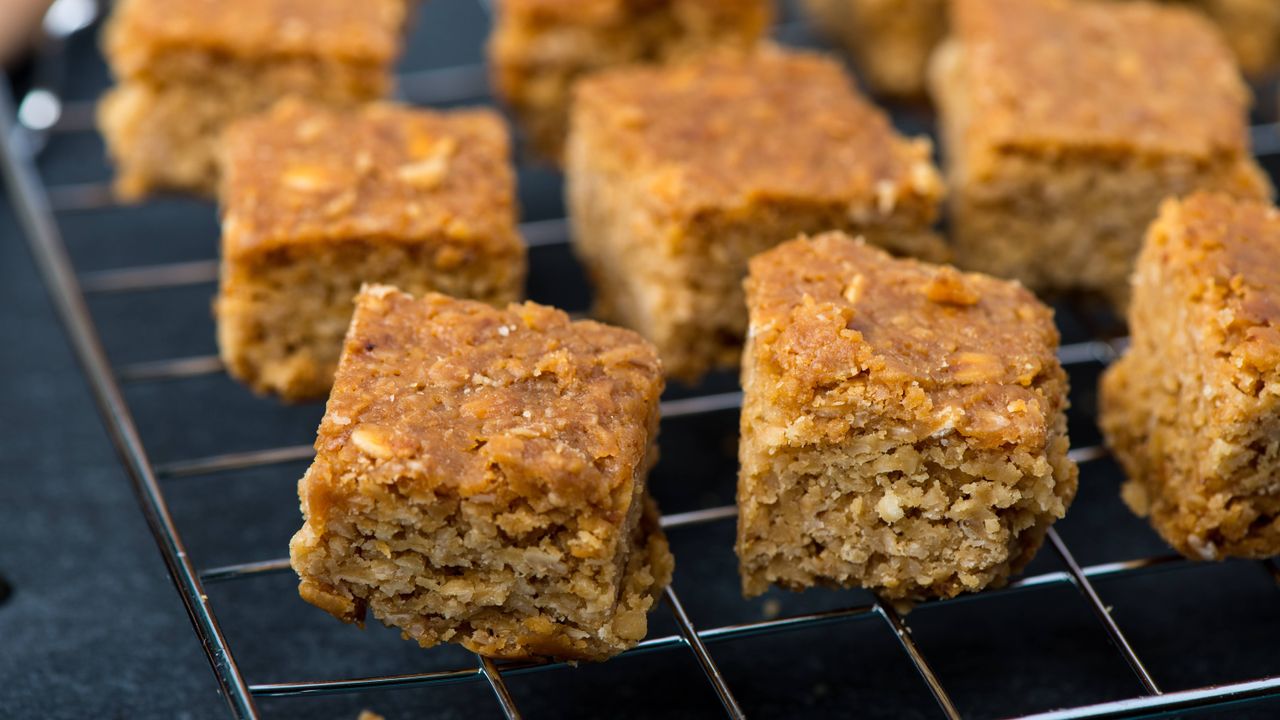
[(1231, 250), (1102, 75), (142, 30), (304, 173), (452, 396), (847, 332), (728, 130)]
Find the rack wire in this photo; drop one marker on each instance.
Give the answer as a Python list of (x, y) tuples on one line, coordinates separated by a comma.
[(39, 208)]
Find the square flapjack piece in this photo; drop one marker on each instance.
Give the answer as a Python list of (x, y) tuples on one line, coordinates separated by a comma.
[(890, 40), (903, 425), (318, 201), (678, 175), (187, 68), (480, 479), (1067, 122), (1192, 409), (539, 48)]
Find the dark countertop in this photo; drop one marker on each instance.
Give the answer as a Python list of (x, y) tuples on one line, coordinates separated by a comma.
[(90, 627), (94, 628)]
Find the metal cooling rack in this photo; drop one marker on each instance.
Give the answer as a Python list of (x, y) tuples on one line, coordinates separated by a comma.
[(43, 116)]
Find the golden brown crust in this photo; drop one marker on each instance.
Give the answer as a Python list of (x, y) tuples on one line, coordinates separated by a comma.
[(480, 479), (458, 382), (1193, 408), (304, 173), (720, 132), (830, 311), (1066, 74), (143, 32), (903, 424)]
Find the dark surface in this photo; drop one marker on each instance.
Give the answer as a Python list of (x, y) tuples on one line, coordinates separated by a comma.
[(94, 628)]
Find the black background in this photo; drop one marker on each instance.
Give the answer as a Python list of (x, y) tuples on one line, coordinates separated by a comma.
[(94, 629)]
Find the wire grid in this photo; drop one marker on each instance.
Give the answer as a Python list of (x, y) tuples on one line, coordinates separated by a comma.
[(38, 207)]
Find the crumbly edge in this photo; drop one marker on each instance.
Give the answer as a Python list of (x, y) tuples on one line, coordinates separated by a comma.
[(163, 134), (1064, 220), (534, 65), (497, 577), (909, 518), (1198, 438), (282, 314), (677, 280), (890, 41)]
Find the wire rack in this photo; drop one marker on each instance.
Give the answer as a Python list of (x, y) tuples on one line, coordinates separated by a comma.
[(43, 117)]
